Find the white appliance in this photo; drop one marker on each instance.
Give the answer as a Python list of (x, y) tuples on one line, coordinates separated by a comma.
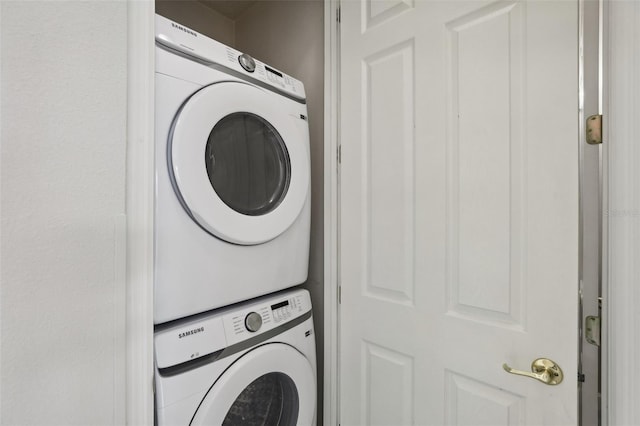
[(251, 363), (232, 176)]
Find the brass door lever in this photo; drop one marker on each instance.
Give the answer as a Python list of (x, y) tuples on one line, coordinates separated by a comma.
[(542, 369)]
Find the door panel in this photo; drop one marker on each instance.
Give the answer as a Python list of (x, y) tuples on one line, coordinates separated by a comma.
[(486, 165), (459, 211), (387, 212)]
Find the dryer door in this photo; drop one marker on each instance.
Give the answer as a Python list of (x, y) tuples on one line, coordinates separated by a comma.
[(273, 384), (239, 162)]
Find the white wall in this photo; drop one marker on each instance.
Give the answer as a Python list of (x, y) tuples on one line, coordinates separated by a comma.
[(289, 35), (63, 127)]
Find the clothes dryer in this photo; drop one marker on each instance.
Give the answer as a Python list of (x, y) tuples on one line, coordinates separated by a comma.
[(232, 176), (252, 364)]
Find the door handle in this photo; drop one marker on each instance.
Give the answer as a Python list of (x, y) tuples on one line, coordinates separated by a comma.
[(542, 369)]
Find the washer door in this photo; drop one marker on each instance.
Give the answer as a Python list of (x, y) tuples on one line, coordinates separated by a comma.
[(239, 163), (273, 384)]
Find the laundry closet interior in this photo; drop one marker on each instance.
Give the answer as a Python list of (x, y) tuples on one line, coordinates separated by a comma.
[(288, 36)]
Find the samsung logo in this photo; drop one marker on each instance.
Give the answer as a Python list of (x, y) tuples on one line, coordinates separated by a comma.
[(184, 30), (190, 332)]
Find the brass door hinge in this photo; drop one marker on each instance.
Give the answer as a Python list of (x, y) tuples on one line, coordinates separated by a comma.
[(594, 130)]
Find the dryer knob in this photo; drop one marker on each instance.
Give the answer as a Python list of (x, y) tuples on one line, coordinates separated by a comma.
[(247, 62), (253, 322)]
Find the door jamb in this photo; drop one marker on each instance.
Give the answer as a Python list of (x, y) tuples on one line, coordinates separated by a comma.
[(331, 225), (139, 210)]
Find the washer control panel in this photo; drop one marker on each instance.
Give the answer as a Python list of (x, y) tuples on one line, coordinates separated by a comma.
[(262, 317), (204, 334)]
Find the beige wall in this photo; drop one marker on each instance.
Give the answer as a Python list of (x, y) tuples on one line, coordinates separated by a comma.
[(289, 35), (198, 17), (64, 105)]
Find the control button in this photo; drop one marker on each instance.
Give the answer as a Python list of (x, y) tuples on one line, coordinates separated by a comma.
[(253, 322), (247, 62)]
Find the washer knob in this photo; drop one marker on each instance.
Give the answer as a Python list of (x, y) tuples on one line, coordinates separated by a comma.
[(247, 62), (253, 322)]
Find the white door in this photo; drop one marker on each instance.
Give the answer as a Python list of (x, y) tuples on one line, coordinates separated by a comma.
[(459, 211)]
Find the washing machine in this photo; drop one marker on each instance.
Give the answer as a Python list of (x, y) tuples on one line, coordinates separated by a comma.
[(249, 364), (232, 176)]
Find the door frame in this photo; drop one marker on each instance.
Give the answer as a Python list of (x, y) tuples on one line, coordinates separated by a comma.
[(621, 219), (331, 406), (140, 192)]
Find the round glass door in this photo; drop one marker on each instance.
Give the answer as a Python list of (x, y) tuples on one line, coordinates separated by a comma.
[(271, 385), (248, 164), (239, 162), (271, 399)]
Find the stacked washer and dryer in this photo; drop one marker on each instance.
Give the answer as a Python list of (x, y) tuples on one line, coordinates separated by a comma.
[(232, 215)]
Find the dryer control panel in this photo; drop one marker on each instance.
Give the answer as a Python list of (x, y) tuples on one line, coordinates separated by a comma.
[(209, 51), (206, 334)]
